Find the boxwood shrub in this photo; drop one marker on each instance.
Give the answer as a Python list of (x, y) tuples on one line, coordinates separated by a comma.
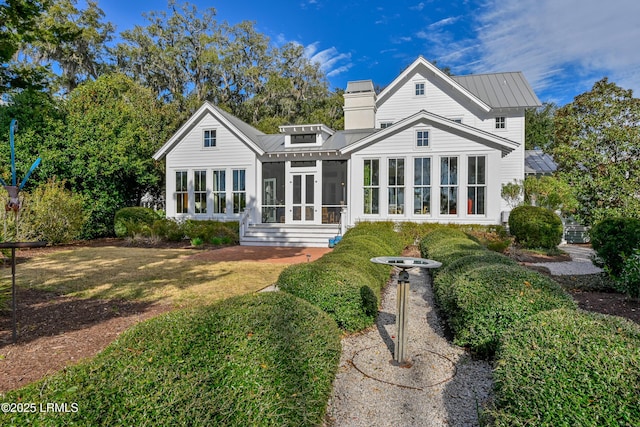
[(613, 239), (257, 360), (569, 368), (535, 227), (484, 302), (345, 283)]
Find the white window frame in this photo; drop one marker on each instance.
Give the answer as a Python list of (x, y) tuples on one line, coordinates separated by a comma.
[(474, 185), (200, 192), (396, 189), (421, 183), (182, 194), (385, 124), (218, 192), (367, 209), (239, 190), (421, 138), (419, 89), (450, 186), (208, 139), (501, 122)]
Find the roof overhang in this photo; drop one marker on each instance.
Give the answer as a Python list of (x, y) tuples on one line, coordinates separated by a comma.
[(488, 139), (203, 111), (424, 65)]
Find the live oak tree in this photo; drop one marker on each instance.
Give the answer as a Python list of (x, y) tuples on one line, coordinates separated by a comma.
[(539, 126), (597, 148)]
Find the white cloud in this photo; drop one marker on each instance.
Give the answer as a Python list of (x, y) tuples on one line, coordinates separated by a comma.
[(418, 7), (330, 60), (444, 22), (546, 39)]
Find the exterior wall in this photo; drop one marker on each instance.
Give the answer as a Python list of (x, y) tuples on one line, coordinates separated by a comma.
[(403, 145), (190, 155)]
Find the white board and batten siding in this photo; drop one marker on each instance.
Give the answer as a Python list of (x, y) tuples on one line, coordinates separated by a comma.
[(230, 153)]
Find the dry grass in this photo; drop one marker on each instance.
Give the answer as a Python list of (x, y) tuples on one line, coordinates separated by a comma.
[(143, 274)]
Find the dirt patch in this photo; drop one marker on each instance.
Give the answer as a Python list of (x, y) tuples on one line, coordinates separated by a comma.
[(607, 303)]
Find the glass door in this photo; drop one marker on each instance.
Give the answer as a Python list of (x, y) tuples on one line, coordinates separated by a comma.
[(303, 206)]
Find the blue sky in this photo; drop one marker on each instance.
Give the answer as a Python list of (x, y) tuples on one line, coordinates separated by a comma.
[(562, 46)]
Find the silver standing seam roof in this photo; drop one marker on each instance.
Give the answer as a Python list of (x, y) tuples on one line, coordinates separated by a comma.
[(500, 90), (536, 162)]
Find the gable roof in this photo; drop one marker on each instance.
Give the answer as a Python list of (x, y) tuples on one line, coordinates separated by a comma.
[(423, 65), (500, 90), (424, 117), (245, 132)]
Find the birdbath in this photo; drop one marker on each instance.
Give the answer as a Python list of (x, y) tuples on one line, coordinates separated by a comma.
[(402, 300)]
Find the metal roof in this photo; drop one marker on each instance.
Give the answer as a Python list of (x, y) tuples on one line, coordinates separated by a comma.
[(249, 131), (359, 86), (500, 90), (274, 144), (537, 162)]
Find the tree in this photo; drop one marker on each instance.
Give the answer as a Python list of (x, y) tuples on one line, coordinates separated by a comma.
[(114, 126), (18, 26), (539, 126), (549, 192), (597, 149)]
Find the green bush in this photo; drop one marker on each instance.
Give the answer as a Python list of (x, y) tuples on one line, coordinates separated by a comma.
[(535, 227), (257, 360), (135, 220), (486, 301), (613, 240), (50, 213), (208, 230), (630, 277), (168, 229), (438, 237), (345, 283), (568, 368)]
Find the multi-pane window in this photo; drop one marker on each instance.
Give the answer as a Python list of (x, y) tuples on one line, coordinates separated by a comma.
[(477, 185), (422, 138), (396, 186), (422, 186), (384, 125), (182, 192), (449, 185), (200, 191), (419, 89), (239, 190), (209, 139), (218, 192), (501, 122), (371, 186)]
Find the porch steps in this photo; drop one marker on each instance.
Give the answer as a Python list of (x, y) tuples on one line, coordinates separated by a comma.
[(316, 236)]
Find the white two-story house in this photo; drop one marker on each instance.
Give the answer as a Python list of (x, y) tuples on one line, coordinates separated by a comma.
[(428, 148)]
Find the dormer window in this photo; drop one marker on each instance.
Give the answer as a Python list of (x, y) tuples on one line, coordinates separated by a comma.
[(419, 89), (209, 139), (303, 138)]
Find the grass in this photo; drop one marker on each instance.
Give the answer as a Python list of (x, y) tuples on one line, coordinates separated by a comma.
[(264, 359), (143, 274)]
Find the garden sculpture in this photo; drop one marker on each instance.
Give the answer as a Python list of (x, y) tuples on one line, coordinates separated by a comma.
[(13, 190)]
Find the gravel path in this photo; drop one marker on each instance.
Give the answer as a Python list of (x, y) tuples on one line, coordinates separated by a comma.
[(444, 387), (580, 262)]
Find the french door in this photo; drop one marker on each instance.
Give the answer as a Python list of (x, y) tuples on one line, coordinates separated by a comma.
[(304, 207)]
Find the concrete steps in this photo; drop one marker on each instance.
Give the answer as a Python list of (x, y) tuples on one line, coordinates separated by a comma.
[(289, 235)]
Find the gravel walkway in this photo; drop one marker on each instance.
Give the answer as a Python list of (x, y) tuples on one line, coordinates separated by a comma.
[(580, 262), (444, 387)]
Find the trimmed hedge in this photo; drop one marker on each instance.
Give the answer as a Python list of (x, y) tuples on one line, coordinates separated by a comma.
[(486, 301), (345, 283), (535, 227), (569, 368), (613, 239), (262, 360)]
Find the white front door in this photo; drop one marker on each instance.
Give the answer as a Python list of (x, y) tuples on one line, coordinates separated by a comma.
[(304, 193)]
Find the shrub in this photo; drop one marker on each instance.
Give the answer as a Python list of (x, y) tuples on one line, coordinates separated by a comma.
[(258, 360), (51, 213), (208, 230), (614, 239), (437, 237), (168, 229), (135, 220), (486, 301), (535, 227), (345, 283), (630, 277), (569, 368)]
